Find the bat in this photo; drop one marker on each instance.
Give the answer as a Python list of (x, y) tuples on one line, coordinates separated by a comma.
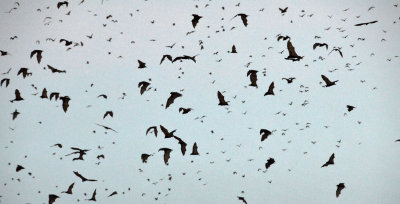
[(141, 64), (270, 161), (264, 134), (328, 82), (350, 108), (144, 157), (143, 86), (38, 54), (243, 17), (167, 153), (253, 77), (320, 45), (292, 53), (110, 113), (242, 199), (107, 128), (152, 128), (330, 161), (339, 189), (195, 149), (166, 133), (93, 198), (69, 191), (283, 10), (185, 110), (195, 19), (52, 198), (221, 99), (183, 145), (54, 70), (171, 99), (82, 178), (169, 57), (59, 4), (270, 89), (6, 80), (65, 102), (371, 22)]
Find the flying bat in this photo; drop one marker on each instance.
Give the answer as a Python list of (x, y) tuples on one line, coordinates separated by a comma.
[(59, 4), (65, 102), (195, 149), (171, 99), (52, 198), (82, 178), (67, 42), (371, 22), (110, 113), (195, 19), (38, 54), (93, 198), (292, 53), (44, 93), (69, 191), (154, 128), (270, 89), (221, 99), (328, 82), (289, 80), (24, 72), (141, 64), (339, 189), (350, 108), (253, 77), (243, 17), (6, 80), (330, 161), (270, 161), (185, 110), (167, 134), (242, 199), (182, 144), (233, 49), (320, 45), (143, 86), (107, 128), (169, 57), (144, 157), (17, 96), (264, 134), (167, 153), (54, 70)]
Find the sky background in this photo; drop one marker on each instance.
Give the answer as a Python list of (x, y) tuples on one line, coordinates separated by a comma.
[(367, 156)]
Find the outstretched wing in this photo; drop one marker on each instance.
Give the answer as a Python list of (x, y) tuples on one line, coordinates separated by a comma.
[(326, 80)]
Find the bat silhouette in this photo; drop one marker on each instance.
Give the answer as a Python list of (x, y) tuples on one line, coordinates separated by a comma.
[(59, 4), (67, 42), (339, 189), (110, 113), (69, 191), (328, 82), (154, 128), (185, 57), (330, 161), (24, 72), (143, 86), (338, 50), (15, 114), (283, 10), (6, 80), (194, 149), (54, 70), (169, 57), (185, 110), (58, 145), (65, 102), (270, 89), (55, 95), (320, 45), (172, 98), (283, 38), (221, 99), (113, 193), (233, 49), (3, 53), (83, 178), (44, 93), (292, 53), (166, 133), (270, 161), (289, 80), (17, 96), (167, 153), (81, 152), (253, 77), (141, 64), (107, 128), (195, 19), (182, 144), (371, 22), (102, 95), (243, 17), (19, 168), (93, 198), (264, 134), (242, 199), (52, 198), (144, 157), (350, 108), (38, 54)]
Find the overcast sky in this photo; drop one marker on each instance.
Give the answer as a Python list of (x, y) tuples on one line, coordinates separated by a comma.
[(228, 139)]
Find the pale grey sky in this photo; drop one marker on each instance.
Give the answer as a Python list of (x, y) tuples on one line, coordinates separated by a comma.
[(366, 158)]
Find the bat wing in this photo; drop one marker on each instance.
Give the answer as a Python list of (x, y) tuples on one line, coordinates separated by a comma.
[(326, 80), (244, 19), (164, 130)]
